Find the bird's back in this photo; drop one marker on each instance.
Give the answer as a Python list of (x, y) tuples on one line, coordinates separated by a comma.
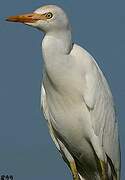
[(102, 111)]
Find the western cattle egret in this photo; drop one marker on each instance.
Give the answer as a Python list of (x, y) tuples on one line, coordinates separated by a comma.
[(76, 100)]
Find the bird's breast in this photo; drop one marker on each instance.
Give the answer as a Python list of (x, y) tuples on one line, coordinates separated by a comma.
[(64, 85), (68, 112)]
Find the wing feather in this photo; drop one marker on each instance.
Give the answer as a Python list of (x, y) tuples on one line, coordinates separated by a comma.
[(99, 99), (47, 116)]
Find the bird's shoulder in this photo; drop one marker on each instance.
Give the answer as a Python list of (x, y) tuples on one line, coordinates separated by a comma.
[(84, 58), (94, 78)]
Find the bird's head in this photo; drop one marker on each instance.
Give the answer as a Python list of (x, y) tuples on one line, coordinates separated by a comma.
[(46, 18)]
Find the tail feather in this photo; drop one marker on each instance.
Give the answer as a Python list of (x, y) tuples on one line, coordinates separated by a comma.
[(81, 178), (85, 173)]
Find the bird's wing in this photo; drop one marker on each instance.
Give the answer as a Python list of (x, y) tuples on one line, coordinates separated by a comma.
[(47, 116), (99, 101), (60, 146)]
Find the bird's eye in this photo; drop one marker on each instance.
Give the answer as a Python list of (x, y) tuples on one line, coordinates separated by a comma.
[(49, 15)]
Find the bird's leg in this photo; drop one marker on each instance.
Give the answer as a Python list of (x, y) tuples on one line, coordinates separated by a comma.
[(104, 170), (69, 160), (74, 170), (101, 157)]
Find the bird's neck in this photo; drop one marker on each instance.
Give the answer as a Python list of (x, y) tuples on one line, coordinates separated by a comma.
[(57, 42), (56, 47)]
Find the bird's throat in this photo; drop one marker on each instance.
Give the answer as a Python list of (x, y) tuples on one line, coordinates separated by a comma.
[(56, 48), (57, 42)]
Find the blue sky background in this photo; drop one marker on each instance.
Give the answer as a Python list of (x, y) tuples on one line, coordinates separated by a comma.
[(26, 150)]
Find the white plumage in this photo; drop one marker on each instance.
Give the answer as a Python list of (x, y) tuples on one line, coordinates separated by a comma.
[(76, 100)]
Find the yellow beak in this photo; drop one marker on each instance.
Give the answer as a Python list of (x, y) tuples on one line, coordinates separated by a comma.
[(26, 18)]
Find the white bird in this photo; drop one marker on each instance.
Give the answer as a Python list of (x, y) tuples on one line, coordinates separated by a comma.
[(76, 100)]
